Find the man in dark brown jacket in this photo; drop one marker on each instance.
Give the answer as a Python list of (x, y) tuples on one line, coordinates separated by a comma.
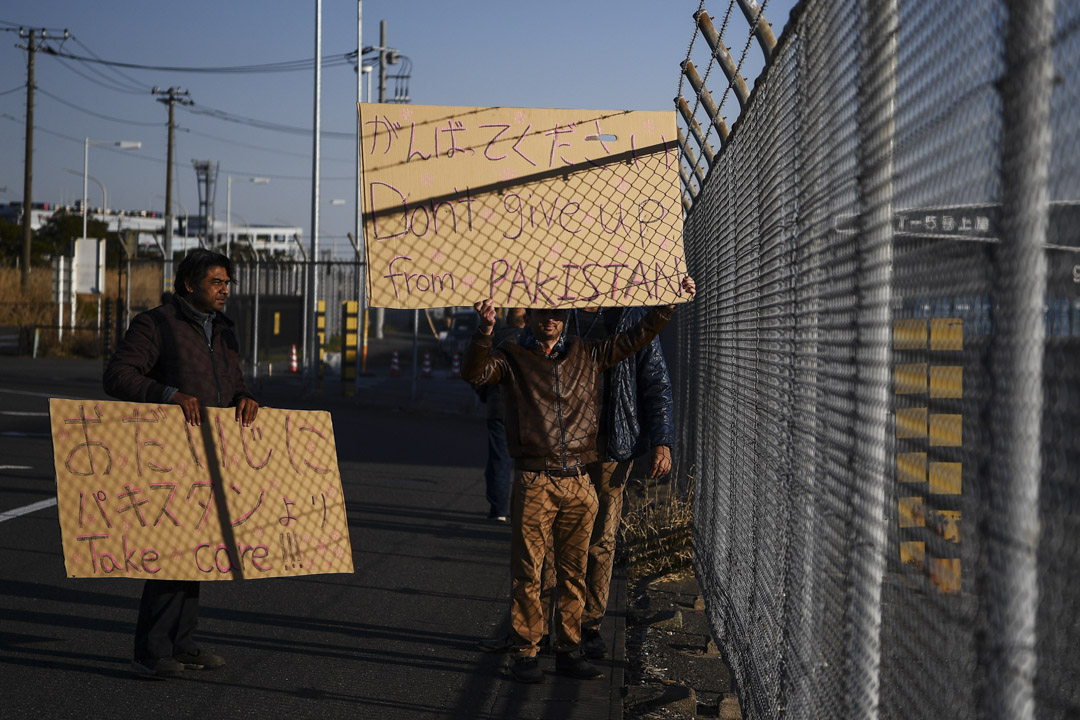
[(551, 387), (186, 353)]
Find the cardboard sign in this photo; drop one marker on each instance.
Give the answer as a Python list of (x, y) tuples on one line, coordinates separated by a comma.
[(143, 494), (530, 207)]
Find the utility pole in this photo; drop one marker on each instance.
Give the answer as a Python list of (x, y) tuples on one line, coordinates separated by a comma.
[(28, 163), (170, 97)]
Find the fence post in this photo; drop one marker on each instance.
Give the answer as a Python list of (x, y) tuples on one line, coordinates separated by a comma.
[(876, 119), (1016, 362)]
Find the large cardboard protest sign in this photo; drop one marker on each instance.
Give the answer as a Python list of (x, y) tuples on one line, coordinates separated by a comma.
[(143, 494), (529, 206)]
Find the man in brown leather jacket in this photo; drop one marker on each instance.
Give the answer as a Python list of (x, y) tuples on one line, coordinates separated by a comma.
[(551, 387), (183, 352)]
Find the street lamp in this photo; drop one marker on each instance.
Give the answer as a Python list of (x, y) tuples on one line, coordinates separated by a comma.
[(228, 203), (122, 144), (104, 193)]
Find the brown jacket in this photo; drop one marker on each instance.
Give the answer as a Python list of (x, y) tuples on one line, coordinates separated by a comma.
[(552, 401), (166, 347)]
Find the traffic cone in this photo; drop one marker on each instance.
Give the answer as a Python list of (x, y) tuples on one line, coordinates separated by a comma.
[(293, 365), (395, 365), (425, 369), (455, 366)]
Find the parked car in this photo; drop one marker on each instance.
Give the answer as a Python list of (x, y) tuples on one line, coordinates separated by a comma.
[(462, 326)]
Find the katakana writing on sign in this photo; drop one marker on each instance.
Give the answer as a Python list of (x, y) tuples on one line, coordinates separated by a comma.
[(141, 493)]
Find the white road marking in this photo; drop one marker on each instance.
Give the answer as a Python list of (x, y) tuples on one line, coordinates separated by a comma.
[(24, 414), (16, 467), (12, 514)]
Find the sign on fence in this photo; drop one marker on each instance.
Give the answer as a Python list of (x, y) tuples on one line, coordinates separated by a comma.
[(528, 206), (141, 493)]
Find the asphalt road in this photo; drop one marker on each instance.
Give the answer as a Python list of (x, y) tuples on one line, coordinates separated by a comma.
[(396, 639)]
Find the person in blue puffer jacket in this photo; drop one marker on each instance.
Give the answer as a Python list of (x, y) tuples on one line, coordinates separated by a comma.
[(635, 418)]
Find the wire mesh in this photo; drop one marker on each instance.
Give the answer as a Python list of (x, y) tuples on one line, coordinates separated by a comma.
[(853, 377)]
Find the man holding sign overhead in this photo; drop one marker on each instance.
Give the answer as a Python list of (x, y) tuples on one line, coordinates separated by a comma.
[(551, 385)]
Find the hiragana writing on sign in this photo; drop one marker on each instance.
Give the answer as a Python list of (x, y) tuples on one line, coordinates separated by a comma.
[(137, 496)]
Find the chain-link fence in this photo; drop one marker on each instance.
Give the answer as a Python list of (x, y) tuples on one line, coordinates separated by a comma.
[(878, 379)]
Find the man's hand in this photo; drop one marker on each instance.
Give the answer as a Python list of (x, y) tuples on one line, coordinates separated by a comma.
[(688, 286), (246, 410), (190, 405), (486, 310), (661, 461)]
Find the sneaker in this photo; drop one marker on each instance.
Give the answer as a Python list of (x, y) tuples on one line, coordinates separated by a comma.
[(592, 644), (527, 670), (576, 665), (199, 660), (157, 668)]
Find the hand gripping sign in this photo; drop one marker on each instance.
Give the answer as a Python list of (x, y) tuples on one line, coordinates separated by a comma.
[(141, 493), (530, 207)]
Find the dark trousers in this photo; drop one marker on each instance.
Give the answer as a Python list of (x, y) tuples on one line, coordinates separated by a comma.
[(499, 470), (168, 616)]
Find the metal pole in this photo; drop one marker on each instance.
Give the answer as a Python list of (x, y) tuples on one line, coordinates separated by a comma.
[(380, 313), (166, 272), (255, 326), (876, 126), (311, 298), (228, 213), (127, 294), (85, 173), (361, 260), (415, 351), (1016, 361), (60, 292)]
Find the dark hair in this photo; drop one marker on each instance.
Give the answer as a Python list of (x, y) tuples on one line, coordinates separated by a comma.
[(193, 268)]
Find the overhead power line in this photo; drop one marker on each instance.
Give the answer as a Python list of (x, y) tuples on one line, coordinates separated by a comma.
[(265, 124), (335, 60)]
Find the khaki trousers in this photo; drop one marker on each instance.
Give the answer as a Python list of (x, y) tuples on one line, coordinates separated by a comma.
[(609, 482), (556, 512)]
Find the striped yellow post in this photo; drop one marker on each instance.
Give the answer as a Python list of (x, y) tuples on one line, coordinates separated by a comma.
[(320, 335), (349, 325), (928, 374)]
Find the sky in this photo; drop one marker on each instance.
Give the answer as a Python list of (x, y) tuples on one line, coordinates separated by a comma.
[(590, 54)]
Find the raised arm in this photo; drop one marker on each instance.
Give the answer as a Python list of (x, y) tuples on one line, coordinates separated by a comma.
[(622, 345), (478, 365)]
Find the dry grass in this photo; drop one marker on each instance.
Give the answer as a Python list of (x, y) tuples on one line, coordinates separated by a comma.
[(658, 529), (35, 311)]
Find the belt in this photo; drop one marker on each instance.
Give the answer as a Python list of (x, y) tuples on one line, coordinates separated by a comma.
[(565, 472)]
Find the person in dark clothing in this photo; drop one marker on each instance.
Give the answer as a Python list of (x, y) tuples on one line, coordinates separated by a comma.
[(184, 352), (499, 469), (551, 386)]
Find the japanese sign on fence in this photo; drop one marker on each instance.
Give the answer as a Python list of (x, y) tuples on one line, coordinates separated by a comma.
[(141, 493), (528, 206)]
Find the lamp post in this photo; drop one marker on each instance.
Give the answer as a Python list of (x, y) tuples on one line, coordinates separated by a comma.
[(228, 203), (87, 142), (104, 192), (122, 144)]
